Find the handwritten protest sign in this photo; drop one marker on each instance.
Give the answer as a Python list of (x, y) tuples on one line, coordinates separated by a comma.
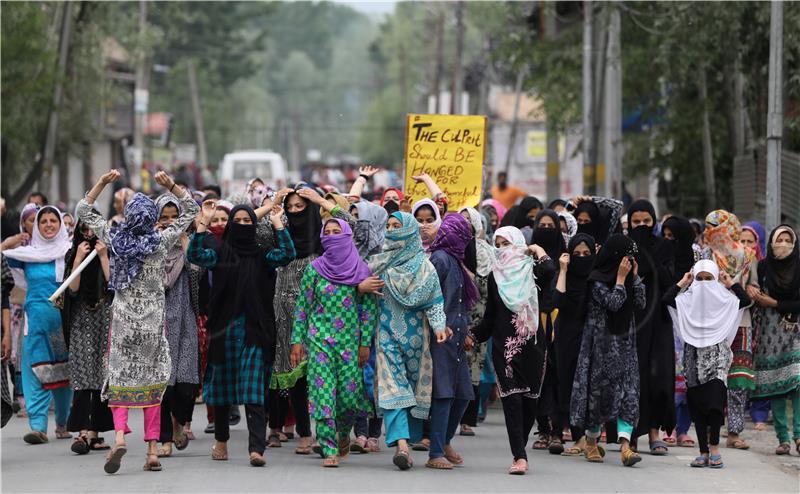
[(449, 148)]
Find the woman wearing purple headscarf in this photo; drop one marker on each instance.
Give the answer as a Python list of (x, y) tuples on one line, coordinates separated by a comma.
[(139, 364), (334, 323), (452, 385)]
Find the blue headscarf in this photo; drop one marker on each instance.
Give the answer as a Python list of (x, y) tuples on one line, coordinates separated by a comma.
[(133, 240), (410, 277), (761, 237)]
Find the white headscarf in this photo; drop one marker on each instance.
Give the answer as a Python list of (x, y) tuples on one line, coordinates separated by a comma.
[(707, 313), (483, 250), (42, 249), (516, 284)]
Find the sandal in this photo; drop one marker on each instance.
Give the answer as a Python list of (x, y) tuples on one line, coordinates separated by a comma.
[(402, 460), (344, 447), (783, 449), (289, 435), (257, 460), (631, 458), (715, 461), (220, 453), (684, 441), (760, 426), (592, 453), (359, 445), (331, 462), (576, 449), (518, 468), (671, 440), (699, 462), (150, 465), (114, 458), (62, 433), (165, 451), (35, 437), (80, 445), (658, 448), (274, 441), (439, 464), (181, 440), (541, 443), (305, 446), (556, 447), (737, 444), (283, 437), (466, 431), (98, 444)]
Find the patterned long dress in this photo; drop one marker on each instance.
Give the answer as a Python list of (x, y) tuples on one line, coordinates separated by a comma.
[(139, 365), (88, 343), (606, 383), (181, 329), (333, 321)]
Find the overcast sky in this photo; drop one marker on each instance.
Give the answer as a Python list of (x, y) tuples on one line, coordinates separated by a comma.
[(372, 8)]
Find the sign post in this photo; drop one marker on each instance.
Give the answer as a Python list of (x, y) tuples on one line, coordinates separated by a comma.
[(449, 148)]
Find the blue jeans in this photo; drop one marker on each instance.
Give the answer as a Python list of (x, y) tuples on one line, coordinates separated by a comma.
[(445, 417), (684, 418)]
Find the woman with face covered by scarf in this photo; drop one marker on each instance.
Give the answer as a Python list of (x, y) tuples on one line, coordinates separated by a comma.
[(738, 261), (654, 340), (241, 321), (452, 386), (334, 324), (606, 386), (139, 365), (571, 298), (522, 216), (519, 349), (547, 235), (775, 287), (39, 267), (86, 315), (181, 330), (596, 216), (496, 212)]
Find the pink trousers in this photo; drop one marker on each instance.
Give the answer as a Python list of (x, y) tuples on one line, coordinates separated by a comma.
[(152, 421)]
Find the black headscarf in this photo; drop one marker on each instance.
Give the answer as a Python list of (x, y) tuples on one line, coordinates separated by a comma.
[(605, 270), (595, 228), (517, 216), (653, 251), (550, 239), (93, 290), (782, 276), (683, 233), (579, 269), (556, 203), (304, 227), (241, 286)]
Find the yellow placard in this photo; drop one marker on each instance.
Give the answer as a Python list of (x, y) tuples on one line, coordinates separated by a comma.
[(449, 148)]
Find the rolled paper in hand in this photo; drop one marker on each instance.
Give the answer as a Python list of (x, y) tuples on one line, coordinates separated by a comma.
[(75, 273)]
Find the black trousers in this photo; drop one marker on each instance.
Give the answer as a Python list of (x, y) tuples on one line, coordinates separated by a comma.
[(706, 406), (256, 426), (520, 413), (470, 416), (369, 427), (279, 406), (178, 402), (89, 413)]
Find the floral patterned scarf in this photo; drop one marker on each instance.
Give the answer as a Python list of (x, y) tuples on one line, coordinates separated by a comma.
[(722, 237)]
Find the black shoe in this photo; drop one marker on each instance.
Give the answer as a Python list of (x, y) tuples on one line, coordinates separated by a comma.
[(235, 416), (209, 428)]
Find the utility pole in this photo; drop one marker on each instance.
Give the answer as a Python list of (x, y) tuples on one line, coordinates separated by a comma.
[(455, 99), (198, 118), (588, 99), (612, 114), (708, 156), (141, 97), (58, 94), (548, 11), (775, 116), (437, 69), (512, 138)]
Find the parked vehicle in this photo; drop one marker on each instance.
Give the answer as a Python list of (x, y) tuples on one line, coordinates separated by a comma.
[(239, 167)]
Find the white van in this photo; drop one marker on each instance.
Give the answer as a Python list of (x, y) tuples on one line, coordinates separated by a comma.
[(239, 167)]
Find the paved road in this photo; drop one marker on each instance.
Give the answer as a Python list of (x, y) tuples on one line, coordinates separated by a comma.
[(53, 468)]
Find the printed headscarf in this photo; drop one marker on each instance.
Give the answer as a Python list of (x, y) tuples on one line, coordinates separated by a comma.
[(410, 277), (453, 237), (29, 210), (340, 263), (370, 227), (722, 237), (516, 283), (572, 225), (483, 251), (174, 262), (133, 240)]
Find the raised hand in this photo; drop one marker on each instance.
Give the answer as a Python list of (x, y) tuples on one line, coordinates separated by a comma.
[(310, 194), (101, 248), (625, 267), (368, 170), (686, 280), (82, 251), (207, 210), (276, 217), (726, 280), (163, 179), (109, 177), (563, 261)]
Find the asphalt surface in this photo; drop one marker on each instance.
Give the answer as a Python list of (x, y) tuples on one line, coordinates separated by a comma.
[(53, 467)]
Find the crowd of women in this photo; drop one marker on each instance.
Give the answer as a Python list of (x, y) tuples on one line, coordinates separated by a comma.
[(395, 317)]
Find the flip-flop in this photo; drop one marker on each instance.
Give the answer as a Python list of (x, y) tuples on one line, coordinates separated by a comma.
[(737, 444), (80, 445), (98, 444), (35, 437), (659, 444), (151, 466), (181, 441), (439, 464), (114, 460), (684, 441), (699, 462), (715, 461), (517, 470)]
